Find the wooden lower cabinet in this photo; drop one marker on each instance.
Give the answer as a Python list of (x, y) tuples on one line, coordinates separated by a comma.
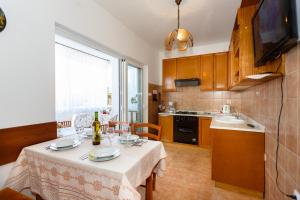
[(238, 159), (204, 131), (167, 128)]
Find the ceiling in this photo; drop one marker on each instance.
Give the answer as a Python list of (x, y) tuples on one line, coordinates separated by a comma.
[(209, 21)]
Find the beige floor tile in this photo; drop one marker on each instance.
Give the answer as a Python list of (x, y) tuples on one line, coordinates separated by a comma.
[(188, 177)]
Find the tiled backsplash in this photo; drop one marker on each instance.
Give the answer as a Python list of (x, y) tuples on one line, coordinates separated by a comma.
[(191, 98), (262, 103)]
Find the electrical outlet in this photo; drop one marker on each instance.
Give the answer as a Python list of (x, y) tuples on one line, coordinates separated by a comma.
[(297, 194)]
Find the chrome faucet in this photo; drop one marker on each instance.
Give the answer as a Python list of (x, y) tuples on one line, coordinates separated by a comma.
[(236, 114)]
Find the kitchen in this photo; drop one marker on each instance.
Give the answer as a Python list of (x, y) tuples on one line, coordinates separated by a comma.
[(202, 112), (187, 99), (204, 104)]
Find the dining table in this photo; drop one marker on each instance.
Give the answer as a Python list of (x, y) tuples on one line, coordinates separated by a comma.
[(60, 175)]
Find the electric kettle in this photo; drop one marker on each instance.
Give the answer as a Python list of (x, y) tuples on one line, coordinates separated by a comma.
[(226, 109)]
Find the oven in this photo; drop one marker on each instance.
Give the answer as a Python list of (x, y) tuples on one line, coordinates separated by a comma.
[(186, 129)]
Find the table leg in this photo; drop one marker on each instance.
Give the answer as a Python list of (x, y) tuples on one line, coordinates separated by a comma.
[(149, 188), (38, 197), (154, 180)]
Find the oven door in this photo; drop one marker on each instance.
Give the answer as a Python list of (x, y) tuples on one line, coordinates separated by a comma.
[(186, 130)]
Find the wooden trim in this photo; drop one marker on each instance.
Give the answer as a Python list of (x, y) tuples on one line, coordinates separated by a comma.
[(13, 140)]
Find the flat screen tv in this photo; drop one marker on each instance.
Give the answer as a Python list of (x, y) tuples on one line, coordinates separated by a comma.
[(274, 29)]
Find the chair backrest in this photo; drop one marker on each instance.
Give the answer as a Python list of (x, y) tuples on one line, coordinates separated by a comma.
[(63, 124), (120, 126), (142, 133)]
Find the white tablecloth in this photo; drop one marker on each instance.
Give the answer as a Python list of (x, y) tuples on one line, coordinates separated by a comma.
[(56, 175)]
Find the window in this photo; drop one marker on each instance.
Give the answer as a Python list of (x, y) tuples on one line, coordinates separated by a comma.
[(84, 80)]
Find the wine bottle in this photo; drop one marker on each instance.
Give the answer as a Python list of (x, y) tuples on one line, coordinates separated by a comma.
[(96, 129)]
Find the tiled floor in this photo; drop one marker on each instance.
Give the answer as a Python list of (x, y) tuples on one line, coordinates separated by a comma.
[(188, 176)]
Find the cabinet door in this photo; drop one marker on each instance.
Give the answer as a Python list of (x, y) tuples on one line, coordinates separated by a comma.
[(169, 74), (221, 71), (207, 72), (205, 135), (167, 128), (188, 67), (231, 70)]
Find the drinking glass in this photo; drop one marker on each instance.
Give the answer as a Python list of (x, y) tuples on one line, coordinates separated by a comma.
[(110, 134)]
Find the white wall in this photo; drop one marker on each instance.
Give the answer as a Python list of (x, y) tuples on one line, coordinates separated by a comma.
[(196, 50), (27, 54), (26, 64)]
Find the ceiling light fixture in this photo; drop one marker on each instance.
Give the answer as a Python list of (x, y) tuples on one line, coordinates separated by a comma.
[(182, 37)]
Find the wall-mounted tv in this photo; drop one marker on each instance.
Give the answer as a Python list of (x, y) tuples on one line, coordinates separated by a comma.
[(274, 29)]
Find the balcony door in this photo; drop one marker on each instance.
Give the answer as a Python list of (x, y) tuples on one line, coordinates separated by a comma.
[(131, 92), (134, 94)]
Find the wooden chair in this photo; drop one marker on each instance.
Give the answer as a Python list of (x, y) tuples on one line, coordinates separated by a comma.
[(120, 125), (63, 124), (136, 130), (142, 133), (10, 194)]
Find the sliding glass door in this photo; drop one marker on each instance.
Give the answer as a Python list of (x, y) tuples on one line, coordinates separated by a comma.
[(134, 94), (131, 93)]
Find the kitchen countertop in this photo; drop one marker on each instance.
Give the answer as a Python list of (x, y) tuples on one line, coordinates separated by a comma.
[(226, 126), (238, 127)]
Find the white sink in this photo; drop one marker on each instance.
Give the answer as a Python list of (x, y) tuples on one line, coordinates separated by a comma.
[(229, 120)]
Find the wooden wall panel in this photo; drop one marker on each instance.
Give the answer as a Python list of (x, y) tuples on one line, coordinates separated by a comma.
[(152, 104), (13, 140)]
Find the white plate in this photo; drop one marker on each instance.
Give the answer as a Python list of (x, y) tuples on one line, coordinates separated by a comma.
[(105, 158), (130, 138), (64, 143), (103, 152), (54, 147)]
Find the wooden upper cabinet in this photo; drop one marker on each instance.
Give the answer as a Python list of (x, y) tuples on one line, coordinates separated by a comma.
[(188, 67), (169, 74), (207, 72), (246, 52), (221, 71), (229, 67)]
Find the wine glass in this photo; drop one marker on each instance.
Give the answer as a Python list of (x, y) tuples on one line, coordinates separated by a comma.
[(126, 131)]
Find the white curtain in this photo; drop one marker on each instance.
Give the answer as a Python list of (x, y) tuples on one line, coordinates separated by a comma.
[(82, 82)]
